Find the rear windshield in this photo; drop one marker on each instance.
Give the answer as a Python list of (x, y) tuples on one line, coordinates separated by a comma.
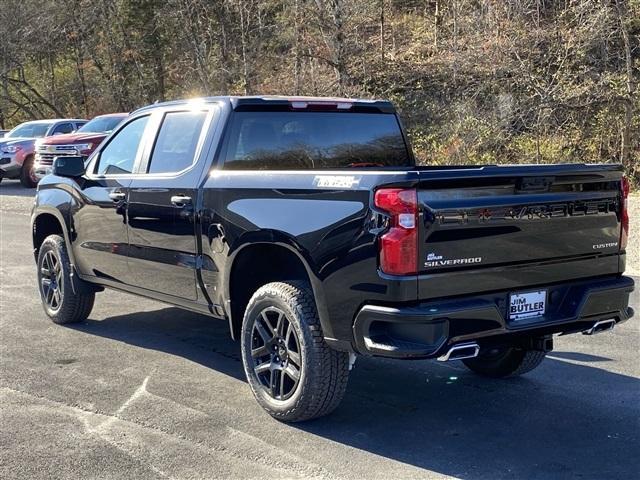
[(312, 140), (101, 125)]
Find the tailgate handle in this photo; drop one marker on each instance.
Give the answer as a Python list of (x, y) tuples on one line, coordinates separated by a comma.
[(534, 184)]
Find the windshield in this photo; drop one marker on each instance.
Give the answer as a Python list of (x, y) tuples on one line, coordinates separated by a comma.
[(29, 130), (101, 125), (304, 140)]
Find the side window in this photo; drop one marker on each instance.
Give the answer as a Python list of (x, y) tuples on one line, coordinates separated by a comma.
[(120, 153), (63, 128), (177, 141), (80, 124)]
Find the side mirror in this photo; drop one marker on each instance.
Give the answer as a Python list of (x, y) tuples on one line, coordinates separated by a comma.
[(72, 167)]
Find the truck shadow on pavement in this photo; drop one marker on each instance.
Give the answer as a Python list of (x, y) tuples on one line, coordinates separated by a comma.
[(561, 420)]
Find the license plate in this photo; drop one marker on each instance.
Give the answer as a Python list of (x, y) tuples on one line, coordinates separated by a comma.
[(527, 305)]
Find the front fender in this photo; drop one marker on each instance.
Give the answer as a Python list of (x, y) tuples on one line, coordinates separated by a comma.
[(55, 202)]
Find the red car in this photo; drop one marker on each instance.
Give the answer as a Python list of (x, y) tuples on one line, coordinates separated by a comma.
[(82, 142)]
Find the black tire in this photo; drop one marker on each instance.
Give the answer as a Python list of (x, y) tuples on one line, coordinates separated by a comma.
[(59, 301), (505, 362), (322, 372), (26, 173)]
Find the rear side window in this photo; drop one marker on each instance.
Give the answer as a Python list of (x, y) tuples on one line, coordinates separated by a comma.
[(177, 141), (312, 140)]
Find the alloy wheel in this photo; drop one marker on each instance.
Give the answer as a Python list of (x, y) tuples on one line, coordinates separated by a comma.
[(51, 284), (32, 175), (275, 351)]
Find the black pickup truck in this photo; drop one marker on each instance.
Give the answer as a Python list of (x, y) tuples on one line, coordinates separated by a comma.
[(307, 226)]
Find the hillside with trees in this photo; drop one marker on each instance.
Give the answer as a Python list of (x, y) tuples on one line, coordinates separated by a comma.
[(477, 81)]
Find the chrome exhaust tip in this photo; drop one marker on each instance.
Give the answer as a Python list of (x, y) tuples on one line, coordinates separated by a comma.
[(460, 352), (601, 326)]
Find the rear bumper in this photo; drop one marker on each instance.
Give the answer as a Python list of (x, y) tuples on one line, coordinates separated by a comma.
[(427, 330)]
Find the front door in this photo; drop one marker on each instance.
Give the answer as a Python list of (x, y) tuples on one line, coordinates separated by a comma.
[(161, 206), (99, 233)]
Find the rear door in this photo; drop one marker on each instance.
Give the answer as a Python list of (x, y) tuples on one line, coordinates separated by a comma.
[(162, 203)]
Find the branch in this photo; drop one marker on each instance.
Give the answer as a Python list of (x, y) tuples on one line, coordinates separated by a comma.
[(26, 84)]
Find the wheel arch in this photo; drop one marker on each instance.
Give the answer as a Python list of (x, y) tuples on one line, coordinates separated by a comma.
[(252, 265), (47, 221), (30, 155)]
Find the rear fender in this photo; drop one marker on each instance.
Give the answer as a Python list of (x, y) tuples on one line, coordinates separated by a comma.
[(281, 239)]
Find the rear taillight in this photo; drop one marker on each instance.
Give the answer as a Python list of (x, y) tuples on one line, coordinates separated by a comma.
[(624, 212), (399, 245)]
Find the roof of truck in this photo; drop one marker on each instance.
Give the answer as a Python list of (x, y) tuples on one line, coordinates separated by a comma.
[(118, 114), (266, 101), (56, 120)]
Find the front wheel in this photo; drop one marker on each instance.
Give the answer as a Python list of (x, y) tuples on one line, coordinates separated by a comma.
[(59, 301), (505, 362), (28, 177), (293, 374)]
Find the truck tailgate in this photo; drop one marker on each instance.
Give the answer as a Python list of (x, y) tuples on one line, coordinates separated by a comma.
[(503, 227)]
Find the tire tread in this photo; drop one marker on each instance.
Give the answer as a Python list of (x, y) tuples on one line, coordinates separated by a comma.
[(25, 176), (329, 368), (531, 359), (76, 307), (515, 363)]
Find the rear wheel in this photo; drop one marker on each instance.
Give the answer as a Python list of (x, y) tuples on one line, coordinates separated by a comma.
[(505, 362), (292, 372), (27, 174), (59, 301)]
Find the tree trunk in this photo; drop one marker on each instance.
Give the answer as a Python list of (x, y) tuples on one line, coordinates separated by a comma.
[(243, 45), (625, 147), (296, 48), (382, 30), (339, 45), (436, 22)]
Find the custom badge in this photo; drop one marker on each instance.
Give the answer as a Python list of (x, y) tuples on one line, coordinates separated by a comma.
[(336, 181)]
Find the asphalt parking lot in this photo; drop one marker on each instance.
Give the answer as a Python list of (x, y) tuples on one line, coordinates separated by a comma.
[(144, 390)]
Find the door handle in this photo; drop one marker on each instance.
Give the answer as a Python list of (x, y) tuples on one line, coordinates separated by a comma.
[(117, 196), (180, 200)]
